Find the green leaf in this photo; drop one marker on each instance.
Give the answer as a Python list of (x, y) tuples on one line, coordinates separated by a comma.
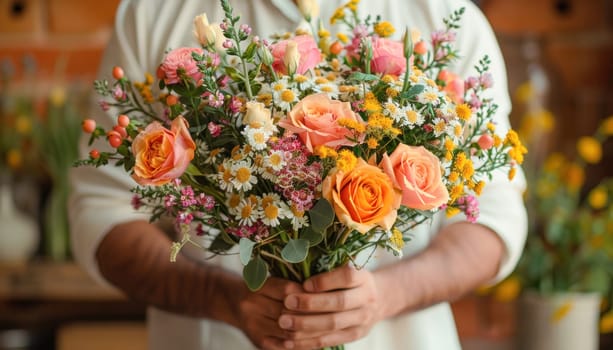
[(310, 235), (255, 273), (250, 52), (322, 215), (413, 90), (359, 76), (598, 280), (245, 246), (295, 250), (233, 73), (221, 243)]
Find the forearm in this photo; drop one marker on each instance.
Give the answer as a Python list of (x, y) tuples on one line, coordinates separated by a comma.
[(459, 259), (135, 257)]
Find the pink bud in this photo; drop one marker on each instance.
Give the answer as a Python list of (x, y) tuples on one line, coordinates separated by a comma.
[(486, 141)]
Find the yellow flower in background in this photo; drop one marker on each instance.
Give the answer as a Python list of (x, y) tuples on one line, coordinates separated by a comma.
[(507, 290), (524, 92), (554, 162), (57, 96), (598, 197), (606, 323), (589, 149), (574, 176), (23, 124), (607, 126), (14, 159)]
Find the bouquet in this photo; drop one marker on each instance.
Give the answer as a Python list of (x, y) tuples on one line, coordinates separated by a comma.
[(305, 150)]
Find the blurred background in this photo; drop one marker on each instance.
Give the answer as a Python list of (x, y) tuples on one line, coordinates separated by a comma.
[(559, 56)]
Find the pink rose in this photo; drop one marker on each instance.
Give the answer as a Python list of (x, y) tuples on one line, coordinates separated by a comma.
[(388, 57), (309, 53), (454, 85), (180, 61), (315, 120), (417, 172), (162, 155)]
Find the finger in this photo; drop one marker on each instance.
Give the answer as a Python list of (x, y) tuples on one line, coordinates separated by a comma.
[(261, 304), (272, 343), (341, 300), (278, 288), (341, 278), (310, 325)]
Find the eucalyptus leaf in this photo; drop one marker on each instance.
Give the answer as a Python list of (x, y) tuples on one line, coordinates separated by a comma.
[(245, 246), (220, 244), (359, 76), (295, 250), (255, 273), (413, 90), (322, 215), (310, 235)]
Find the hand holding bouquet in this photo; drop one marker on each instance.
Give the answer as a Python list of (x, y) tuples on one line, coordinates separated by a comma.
[(305, 151)]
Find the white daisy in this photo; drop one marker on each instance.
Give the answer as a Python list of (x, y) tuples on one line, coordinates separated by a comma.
[(242, 175), (248, 212), (410, 117), (430, 95), (275, 160), (257, 137)]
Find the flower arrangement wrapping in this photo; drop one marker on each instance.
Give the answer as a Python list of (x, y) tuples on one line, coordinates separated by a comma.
[(306, 150)]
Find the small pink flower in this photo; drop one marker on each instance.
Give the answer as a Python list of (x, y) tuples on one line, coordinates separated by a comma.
[(214, 129), (453, 85), (180, 62), (310, 55)]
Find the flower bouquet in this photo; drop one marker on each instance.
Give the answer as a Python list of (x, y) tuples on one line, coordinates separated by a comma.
[(305, 150)]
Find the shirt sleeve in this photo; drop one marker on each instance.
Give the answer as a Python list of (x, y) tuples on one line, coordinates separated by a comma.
[(101, 197), (501, 203)]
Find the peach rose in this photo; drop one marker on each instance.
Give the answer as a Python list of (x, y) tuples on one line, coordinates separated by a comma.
[(363, 197), (308, 52), (162, 155), (315, 120), (180, 59), (387, 57), (417, 172)]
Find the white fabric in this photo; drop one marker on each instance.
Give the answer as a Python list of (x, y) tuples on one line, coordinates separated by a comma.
[(145, 29)]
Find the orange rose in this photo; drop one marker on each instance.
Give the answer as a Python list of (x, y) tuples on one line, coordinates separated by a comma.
[(162, 155), (363, 197), (417, 172), (315, 120)]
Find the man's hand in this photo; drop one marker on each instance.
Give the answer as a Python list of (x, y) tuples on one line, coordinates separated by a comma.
[(338, 307), (259, 312)]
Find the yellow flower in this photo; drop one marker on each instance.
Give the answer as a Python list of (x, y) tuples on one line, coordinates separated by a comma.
[(479, 187), (607, 126), (342, 37), (507, 290), (463, 111), (396, 238), (14, 159), (589, 149), (554, 162), (524, 92), (598, 197), (574, 176), (346, 160), (23, 125), (372, 143), (512, 173), (606, 323), (384, 29), (452, 211)]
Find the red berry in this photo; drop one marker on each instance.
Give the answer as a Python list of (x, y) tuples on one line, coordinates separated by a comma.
[(121, 130), (420, 48), (117, 72), (336, 48), (88, 125), (123, 120), (114, 138), (172, 100), (94, 154), (486, 141)]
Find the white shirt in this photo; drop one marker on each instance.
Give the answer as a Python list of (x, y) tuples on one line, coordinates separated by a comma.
[(145, 29)]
